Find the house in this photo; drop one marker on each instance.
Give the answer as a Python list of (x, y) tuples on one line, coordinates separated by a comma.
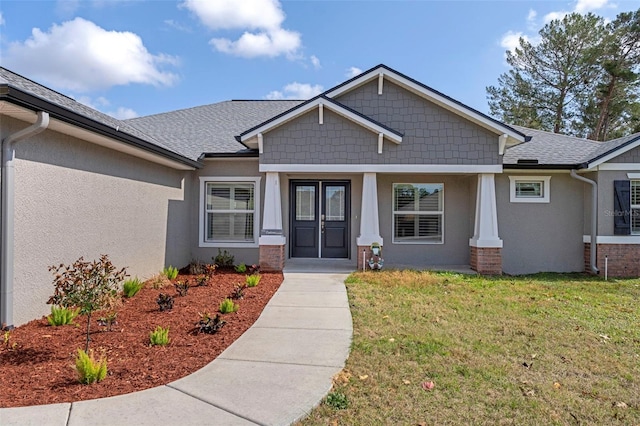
[(379, 158)]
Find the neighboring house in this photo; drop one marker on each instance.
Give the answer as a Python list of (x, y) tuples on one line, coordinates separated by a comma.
[(380, 158)]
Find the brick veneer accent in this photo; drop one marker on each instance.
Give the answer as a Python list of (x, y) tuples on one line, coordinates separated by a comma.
[(272, 258), (367, 256), (486, 260), (623, 259)]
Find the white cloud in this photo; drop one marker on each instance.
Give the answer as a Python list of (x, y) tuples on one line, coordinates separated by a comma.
[(315, 62), (78, 55), (102, 104), (261, 19), (511, 40), (352, 72), (123, 113), (296, 90), (554, 15), (1, 19), (531, 16), (176, 25), (584, 6)]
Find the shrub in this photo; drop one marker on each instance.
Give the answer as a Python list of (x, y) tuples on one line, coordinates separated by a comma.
[(182, 287), (209, 325), (170, 272), (131, 287), (224, 259), (241, 268), (252, 280), (165, 302), (62, 316), (337, 400), (89, 369), (228, 306), (108, 321), (89, 286), (202, 280), (253, 269), (196, 268), (159, 336), (238, 292), (210, 269)]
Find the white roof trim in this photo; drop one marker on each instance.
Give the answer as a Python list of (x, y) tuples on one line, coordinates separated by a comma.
[(614, 154), (481, 120), (249, 140), (380, 168)]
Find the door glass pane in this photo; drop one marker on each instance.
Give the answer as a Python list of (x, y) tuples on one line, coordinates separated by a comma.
[(306, 202), (335, 203)]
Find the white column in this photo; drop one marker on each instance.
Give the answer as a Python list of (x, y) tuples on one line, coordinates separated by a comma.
[(486, 225), (369, 224), (271, 234)]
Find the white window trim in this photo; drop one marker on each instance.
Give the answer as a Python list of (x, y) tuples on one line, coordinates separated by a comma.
[(202, 215), (546, 189), (393, 222)]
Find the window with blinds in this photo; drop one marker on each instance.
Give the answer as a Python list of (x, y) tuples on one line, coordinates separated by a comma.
[(635, 207), (230, 212), (418, 213)]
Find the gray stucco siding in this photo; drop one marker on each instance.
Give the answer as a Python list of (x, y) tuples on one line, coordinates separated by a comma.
[(541, 237), (606, 212), (75, 199), (224, 167), (440, 136)]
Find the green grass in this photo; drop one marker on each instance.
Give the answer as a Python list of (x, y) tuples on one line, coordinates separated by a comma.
[(543, 349)]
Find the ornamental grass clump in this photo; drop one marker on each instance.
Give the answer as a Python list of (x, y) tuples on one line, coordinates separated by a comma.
[(228, 306), (89, 369), (131, 287), (159, 337), (252, 280), (62, 316), (171, 272), (89, 286)]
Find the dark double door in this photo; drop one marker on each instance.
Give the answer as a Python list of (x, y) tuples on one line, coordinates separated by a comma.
[(320, 219)]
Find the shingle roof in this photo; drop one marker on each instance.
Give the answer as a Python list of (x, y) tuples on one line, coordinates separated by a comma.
[(210, 128), (21, 83)]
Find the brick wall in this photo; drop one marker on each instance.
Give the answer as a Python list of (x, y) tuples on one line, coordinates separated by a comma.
[(623, 259), (486, 261), (272, 258)]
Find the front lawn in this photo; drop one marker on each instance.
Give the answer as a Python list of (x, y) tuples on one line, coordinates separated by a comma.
[(543, 349)]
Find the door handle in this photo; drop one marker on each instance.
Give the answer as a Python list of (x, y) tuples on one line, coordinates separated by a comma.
[(322, 226)]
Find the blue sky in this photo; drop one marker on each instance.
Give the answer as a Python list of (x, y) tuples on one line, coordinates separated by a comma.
[(135, 58)]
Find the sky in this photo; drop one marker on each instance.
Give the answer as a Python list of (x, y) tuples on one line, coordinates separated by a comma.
[(131, 58)]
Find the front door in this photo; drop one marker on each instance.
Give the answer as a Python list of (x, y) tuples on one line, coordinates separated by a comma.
[(320, 219)]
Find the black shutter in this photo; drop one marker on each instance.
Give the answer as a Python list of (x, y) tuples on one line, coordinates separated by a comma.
[(622, 207)]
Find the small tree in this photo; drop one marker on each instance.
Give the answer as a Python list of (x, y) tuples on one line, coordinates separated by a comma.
[(86, 285)]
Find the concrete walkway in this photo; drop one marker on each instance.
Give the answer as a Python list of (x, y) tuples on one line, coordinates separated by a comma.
[(274, 374)]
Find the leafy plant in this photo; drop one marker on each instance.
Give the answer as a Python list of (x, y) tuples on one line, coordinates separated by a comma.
[(108, 320), (241, 268), (196, 267), (228, 306), (182, 287), (238, 292), (210, 269), (131, 287), (202, 280), (159, 281), (62, 316), (337, 400), (209, 325), (253, 269), (224, 259), (89, 369), (89, 286), (159, 336), (165, 302), (252, 280), (171, 272)]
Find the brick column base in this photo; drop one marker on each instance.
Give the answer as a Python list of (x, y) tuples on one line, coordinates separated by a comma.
[(622, 259), (486, 260), (271, 258), (367, 256)]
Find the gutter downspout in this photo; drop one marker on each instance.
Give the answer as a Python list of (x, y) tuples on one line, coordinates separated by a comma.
[(594, 219), (7, 183)]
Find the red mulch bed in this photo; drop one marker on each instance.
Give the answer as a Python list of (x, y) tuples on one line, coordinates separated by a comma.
[(37, 365)]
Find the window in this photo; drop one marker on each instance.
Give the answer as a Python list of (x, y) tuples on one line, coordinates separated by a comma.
[(418, 213), (635, 207), (229, 212), (529, 189)]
